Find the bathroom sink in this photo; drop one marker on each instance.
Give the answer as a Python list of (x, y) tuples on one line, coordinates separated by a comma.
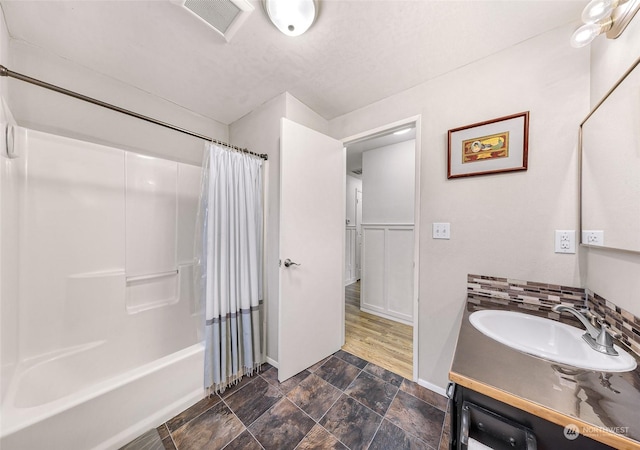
[(548, 339)]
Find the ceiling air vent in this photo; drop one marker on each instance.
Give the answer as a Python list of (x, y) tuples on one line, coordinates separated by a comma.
[(225, 16), (357, 171)]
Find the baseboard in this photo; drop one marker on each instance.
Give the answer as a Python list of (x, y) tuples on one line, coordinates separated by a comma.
[(386, 316), (272, 362), (350, 281), (432, 387)]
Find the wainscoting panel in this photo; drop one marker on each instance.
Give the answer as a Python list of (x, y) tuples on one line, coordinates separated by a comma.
[(387, 271), (399, 272)]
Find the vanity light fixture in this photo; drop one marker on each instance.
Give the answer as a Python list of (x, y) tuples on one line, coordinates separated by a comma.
[(597, 10), (588, 32), (292, 17), (604, 16)]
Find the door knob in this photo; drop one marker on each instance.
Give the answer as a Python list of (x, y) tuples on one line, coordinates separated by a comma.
[(289, 263)]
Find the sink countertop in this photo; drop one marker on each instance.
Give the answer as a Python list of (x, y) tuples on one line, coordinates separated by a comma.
[(605, 406)]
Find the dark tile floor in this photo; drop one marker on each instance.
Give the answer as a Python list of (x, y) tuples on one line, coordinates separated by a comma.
[(342, 402)]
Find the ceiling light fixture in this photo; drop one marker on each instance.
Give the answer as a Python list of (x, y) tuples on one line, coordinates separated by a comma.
[(604, 16), (292, 17)]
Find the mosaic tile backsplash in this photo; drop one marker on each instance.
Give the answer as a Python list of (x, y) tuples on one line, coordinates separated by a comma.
[(620, 320), (485, 292)]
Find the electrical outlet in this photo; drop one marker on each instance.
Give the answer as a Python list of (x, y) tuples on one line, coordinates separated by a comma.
[(565, 241), (441, 230), (593, 237)]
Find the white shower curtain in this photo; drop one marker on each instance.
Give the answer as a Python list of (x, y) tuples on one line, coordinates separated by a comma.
[(231, 263)]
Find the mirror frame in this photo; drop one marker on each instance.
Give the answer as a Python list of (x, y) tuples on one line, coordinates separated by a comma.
[(581, 155)]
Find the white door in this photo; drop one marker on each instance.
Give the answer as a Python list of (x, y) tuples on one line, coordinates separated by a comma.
[(312, 205), (358, 234)]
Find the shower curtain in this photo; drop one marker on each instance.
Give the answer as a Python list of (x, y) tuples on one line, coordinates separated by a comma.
[(231, 265)]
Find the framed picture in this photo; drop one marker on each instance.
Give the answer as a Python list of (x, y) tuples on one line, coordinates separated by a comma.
[(495, 146)]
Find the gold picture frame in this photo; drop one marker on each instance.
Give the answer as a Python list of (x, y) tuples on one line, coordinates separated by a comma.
[(494, 146)]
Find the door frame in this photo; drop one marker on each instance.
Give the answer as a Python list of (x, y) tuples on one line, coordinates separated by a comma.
[(358, 233), (416, 120)]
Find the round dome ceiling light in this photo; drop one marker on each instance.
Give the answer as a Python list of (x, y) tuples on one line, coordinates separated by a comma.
[(292, 17)]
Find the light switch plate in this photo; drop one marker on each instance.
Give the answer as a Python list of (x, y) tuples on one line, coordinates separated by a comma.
[(441, 230)]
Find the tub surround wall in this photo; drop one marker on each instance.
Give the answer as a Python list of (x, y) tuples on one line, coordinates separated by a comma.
[(107, 316), (94, 220), (9, 256), (8, 228), (171, 378)]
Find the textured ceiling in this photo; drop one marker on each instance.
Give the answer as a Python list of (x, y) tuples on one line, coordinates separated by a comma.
[(356, 53)]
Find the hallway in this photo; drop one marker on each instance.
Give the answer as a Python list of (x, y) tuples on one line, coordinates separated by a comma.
[(384, 342)]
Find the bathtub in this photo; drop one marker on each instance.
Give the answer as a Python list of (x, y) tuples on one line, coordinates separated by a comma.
[(100, 326), (96, 415)]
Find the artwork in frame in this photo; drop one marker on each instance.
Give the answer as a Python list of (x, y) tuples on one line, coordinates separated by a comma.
[(495, 146)]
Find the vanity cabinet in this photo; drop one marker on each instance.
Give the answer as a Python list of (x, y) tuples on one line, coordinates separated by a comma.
[(500, 426), (512, 393)]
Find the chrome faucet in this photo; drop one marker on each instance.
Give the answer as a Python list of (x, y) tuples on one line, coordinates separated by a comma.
[(599, 339)]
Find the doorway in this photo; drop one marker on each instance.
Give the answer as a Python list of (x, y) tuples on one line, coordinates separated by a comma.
[(381, 341), (381, 246)]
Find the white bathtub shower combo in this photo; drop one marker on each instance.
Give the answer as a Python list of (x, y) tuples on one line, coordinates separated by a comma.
[(100, 323)]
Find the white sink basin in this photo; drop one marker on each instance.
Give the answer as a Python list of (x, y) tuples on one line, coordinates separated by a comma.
[(548, 339)]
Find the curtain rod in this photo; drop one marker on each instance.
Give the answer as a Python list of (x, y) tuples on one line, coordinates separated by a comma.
[(4, 72)]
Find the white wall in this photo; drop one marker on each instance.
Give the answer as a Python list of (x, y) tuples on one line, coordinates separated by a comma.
[(4, 51), (353, 183), (388, 187), (502, 224), (260, 132), (38, 108), (614, 274), (302, 114), (610, 59)]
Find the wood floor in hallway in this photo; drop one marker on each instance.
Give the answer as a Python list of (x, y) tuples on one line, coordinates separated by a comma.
[(384, 342)]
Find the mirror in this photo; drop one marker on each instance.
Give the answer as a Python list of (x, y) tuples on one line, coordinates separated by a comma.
[(610, 168)]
